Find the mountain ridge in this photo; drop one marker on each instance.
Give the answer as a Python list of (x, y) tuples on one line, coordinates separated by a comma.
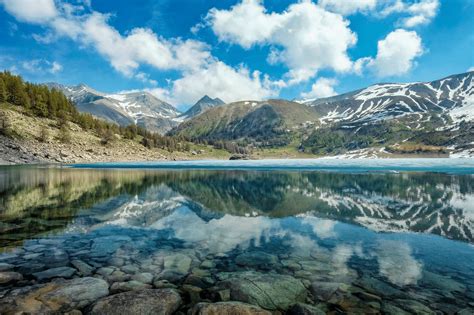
[(123, 108)]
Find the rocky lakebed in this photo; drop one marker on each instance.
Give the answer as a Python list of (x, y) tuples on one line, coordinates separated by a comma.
[(210, 242)]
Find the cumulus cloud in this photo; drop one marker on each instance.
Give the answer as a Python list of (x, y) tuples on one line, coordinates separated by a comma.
[(201, 73), (41, 65), (305, 37), (396, 54), (412, 13), (220, 80), (323, 87), (31, 11), (348, 7), (415, 13)]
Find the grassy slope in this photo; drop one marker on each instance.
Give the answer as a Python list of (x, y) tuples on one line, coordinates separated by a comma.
[(224, 120)]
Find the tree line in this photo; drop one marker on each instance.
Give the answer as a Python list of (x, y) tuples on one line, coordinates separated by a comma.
[(41, 101)]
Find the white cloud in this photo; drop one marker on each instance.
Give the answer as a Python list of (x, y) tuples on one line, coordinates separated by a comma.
[(421, 13), (395, 54), (41, 65), (201, 73), (416, 13), (218, 80), (412, 13), (31, 11), (139, 46), (56, 67), (323, 87), (470, 69), (348, 7), (221, 80), (305, 37)]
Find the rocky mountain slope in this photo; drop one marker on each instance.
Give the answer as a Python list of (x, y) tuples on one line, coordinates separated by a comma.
[(140, 108), (427, 117), (451, 98), (202, 105), (264, 123)]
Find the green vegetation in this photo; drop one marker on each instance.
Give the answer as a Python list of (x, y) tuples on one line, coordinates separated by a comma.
[(243, 126), (37, 100), (396, 136)]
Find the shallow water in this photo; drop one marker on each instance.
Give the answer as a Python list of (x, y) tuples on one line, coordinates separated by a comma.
[(346, 240)]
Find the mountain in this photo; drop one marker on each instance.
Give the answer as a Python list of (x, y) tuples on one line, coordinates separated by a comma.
[(140, 108), (426, 117), (263, 123), (202, 105), (452, 96)]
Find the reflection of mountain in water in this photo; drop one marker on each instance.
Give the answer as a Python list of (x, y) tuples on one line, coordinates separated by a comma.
[(430, 203), (38, 201)]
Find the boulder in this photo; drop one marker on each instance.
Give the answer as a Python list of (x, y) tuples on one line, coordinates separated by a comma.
[(257, 259), (83, 268), (145, 302), (268, 290), (128, 286), (178, 263), (6, 267), (9, 277), (60, 272), (54, 297), (227, 308)]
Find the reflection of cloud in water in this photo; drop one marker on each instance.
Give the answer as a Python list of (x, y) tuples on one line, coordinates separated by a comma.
[(397, 264), (341, 255), (219, 235), (323, 228)]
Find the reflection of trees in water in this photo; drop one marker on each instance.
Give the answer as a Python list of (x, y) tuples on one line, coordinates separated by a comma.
[(416, 202), (35, 201)]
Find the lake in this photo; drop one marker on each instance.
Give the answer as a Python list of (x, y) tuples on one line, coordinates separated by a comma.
[(294, 237)]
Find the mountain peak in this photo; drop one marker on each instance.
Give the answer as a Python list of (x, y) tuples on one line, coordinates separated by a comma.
[(209, 100), (205, 98)]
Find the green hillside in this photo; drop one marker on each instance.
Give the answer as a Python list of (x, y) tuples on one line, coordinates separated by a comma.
[(268, 123)]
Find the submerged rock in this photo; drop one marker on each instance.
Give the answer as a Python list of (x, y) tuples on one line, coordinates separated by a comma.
[(55, 297), (442, 282), (178, 263), (9, 277), (145, 302), (324, 290), (257, 259), (6, 267), (83, 268), (305, 309), (227, 308), (270, 291), (129, 286), (60, 272)]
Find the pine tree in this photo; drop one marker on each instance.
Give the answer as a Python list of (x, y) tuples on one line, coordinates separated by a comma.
[(44, 134), (16, 92), (3, 91), (64, 134)]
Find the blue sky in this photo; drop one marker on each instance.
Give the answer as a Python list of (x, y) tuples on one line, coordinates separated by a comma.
[(180, 50)]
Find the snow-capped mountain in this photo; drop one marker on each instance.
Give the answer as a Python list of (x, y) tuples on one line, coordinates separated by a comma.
[(140, 108), (202, 105), (452, 96)]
